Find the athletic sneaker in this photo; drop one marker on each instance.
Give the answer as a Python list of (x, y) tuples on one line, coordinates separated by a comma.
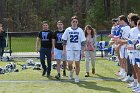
[(135, 89), (64, 72), (71, 74), (57, 76), (127, 79), (76, 79), (122, 76), (44, 72), (119, 73), (132, 84), (87, 74)]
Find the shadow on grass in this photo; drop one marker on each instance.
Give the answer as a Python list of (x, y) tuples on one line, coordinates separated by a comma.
[(107, 78), (92, 85)]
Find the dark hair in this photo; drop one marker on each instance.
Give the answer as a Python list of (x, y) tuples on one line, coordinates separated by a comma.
[(74, 17), (124, 18), (114, 19), (93, 32), (134, 18)]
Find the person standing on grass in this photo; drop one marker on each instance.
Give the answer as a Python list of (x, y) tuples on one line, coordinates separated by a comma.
[(131, 74), (115, 31), (90, 48), (45, 40), (124, 33), (135, 39), (73, 45), (2, 41), (58, 49)]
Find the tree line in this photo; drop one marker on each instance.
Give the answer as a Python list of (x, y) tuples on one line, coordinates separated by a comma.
[(27, 15)]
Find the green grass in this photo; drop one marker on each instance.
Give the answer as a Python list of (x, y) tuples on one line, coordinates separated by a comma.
[(104, 81), (23, 44)]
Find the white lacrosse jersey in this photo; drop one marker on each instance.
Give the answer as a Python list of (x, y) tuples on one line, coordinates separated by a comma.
[(125, 32), (74, 37), (134, 34)]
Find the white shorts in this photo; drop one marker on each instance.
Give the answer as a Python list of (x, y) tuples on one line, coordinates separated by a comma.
[(58, 55), (123, 52), (73, 55)]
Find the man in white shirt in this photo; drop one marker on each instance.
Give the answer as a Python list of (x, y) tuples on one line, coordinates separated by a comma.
[(124, 33), (73, 44), (135, 36)]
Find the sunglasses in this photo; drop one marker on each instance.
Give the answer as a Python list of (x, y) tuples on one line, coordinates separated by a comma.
[(74, 21)]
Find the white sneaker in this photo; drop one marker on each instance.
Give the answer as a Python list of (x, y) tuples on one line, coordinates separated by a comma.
[(132, 84), (76, 79), (120, 74), (71, 74), (121, 78), (127, 79), (123, 75), (135, 89)]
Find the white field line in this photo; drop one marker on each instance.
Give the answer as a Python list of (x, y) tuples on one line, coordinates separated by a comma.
[(62, 80)]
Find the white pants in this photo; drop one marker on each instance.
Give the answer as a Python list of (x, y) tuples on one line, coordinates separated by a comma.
[(90, 55)]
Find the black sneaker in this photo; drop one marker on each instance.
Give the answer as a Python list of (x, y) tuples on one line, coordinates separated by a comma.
[(57, 76), (48, 74), (44, 72), (87, 74), (64, 73)]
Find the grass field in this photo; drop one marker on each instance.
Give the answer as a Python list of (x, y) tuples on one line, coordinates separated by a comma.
[(23, 44), (31, 81)]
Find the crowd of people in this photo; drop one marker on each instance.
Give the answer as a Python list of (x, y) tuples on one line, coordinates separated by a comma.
[(68, 46), (125, 40), (71, 44)]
